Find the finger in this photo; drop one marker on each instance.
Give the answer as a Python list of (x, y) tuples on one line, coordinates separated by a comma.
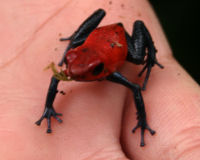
[(172, 107), (172, 101)]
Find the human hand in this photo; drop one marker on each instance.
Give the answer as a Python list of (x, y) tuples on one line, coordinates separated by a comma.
[(97, 117)]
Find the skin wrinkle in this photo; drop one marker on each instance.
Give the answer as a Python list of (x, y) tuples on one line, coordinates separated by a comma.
[(187, 151), (103, 153), (27, 43), (186, 143), (127, 102)]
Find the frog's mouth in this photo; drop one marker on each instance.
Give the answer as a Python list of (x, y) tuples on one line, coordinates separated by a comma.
[(60, 75)]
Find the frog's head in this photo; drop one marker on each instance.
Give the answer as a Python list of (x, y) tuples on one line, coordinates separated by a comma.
[(84, 64)]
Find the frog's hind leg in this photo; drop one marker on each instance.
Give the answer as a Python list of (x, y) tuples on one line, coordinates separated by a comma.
[(80, 35), (140, 45)]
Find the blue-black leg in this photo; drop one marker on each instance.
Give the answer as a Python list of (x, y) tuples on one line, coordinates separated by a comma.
[(140, 45), (49, 110), (141, 114), (79, 36)]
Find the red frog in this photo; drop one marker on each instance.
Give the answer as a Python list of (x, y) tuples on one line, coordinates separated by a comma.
[(97, 54), (102, 53)]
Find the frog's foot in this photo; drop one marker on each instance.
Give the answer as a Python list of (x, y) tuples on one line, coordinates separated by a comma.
[(48, 113), (143, 125)]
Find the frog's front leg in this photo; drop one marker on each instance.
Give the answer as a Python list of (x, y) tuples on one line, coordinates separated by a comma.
[(49, 110), (141, 114)]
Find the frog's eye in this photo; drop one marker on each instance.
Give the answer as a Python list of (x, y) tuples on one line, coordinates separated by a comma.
[(98, 69)]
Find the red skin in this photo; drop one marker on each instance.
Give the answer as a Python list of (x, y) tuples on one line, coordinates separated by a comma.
[(105, 45)]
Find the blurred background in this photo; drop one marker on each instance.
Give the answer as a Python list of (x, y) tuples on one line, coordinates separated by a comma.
[(179, 20)]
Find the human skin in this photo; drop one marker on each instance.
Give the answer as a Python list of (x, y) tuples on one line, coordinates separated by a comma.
[(98, 116)]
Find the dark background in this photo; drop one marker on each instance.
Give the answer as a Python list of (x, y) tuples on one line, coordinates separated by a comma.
[(179, 20)]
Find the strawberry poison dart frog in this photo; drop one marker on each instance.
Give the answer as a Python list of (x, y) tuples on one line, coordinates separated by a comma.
[(97, 54)]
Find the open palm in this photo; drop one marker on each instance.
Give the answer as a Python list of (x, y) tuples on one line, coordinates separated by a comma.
[(98, 116)]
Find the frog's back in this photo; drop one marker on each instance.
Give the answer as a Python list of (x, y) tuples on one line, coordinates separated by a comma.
[(109, 42)]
